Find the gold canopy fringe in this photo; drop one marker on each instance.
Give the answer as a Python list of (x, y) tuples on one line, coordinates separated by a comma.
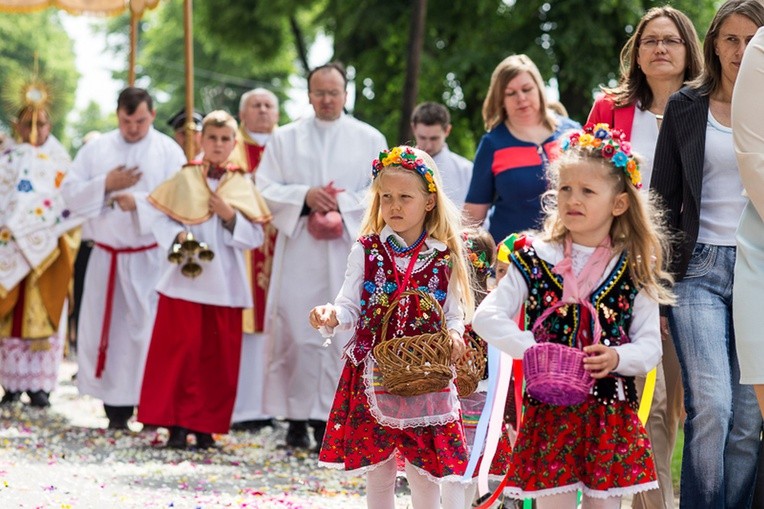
[(77, 7)]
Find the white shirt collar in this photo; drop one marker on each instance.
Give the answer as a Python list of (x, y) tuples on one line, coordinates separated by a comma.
[(326, 124)]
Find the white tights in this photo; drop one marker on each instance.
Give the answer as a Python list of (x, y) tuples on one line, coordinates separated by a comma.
[(569, 500), (425, 493), (458, 495), (380, 486)]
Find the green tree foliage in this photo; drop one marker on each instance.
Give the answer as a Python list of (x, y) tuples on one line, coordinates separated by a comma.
[(263, 29), (24, 34), (577, 42), (91, 118), (227, 60)]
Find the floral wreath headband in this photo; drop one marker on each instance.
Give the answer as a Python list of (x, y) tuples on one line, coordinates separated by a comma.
[(477, 257), (612, 146), (406, 158)]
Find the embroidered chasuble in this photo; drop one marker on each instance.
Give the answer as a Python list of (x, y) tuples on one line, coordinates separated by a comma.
[(36, 246)]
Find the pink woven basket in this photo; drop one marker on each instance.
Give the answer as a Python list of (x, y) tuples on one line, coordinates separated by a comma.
[(554, 373)]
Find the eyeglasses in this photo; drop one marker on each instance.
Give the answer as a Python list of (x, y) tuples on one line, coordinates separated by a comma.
[(668, 42), (324, 93)]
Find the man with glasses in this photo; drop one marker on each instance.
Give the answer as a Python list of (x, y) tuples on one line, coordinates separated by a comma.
[(314, 177)]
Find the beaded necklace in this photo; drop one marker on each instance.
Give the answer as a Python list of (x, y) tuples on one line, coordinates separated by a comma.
[(405, 250)]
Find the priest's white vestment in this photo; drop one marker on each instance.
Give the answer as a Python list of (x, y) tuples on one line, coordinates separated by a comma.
[(136, 274), (302, 375)]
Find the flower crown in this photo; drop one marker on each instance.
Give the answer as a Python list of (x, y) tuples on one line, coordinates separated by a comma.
[(478, 258), (611, 144), (406, 158)]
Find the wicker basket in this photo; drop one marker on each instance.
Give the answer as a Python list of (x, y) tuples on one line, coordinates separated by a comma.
[(414, 365), (470, 369), (554, 373)]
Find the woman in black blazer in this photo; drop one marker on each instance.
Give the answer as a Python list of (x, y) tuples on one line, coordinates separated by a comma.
[(695, 174)]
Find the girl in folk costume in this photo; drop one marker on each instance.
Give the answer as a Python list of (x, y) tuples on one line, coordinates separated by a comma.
[(214, 212), (409, 240), (595, 276), (480, 249)]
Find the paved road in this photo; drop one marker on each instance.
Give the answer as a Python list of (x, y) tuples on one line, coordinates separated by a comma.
[(63, 458)]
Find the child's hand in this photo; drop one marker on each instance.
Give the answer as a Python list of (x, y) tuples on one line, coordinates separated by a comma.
[(324, 315), (221, 208), (601, 360), (458, 347)]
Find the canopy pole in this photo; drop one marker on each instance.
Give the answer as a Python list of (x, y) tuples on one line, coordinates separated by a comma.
[(134, 17), (189, 44)]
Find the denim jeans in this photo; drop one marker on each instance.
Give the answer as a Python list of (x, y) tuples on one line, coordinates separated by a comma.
[(723, 426)]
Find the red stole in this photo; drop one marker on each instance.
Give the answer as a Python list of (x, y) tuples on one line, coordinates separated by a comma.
[(260, 260), (254, 155)]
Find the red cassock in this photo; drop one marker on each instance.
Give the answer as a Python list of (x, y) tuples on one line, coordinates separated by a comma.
[(200, 350)]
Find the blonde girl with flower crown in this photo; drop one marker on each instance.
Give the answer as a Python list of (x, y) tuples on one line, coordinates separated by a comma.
[(593, 277), (409, 240)]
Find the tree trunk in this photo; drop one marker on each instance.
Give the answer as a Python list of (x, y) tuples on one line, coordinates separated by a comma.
[(576, 102), (411, 86), (300, 43)]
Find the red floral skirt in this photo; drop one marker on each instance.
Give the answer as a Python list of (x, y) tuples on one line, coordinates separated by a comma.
[(355, 441), (593, 447)]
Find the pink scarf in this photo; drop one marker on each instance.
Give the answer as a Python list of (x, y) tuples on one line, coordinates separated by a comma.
[(577, 289)]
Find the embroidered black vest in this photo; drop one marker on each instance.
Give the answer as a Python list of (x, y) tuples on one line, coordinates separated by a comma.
[(379, 289), (613, 300)]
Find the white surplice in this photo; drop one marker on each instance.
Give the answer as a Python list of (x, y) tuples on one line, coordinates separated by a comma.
[(157, 156), (223, 280), (302, 375)]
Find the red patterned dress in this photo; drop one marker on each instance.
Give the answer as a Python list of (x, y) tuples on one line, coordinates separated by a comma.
[(599, 446), (355, 440)]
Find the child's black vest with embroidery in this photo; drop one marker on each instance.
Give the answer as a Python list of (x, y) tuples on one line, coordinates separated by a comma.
[(379, 289), (613, 300)]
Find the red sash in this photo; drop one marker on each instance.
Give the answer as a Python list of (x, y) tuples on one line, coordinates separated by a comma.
[(104, 344)]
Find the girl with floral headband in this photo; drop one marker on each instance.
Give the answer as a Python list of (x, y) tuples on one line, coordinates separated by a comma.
[(409, 240), (592, 279)]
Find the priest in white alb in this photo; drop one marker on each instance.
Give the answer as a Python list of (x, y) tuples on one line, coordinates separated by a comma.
[(314, 176), (109, 181), (259, 115)]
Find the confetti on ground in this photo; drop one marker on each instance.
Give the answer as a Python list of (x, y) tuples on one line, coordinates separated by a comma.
[(63, 458)]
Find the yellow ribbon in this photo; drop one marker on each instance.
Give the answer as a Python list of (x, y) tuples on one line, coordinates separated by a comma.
[(647, 396)]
